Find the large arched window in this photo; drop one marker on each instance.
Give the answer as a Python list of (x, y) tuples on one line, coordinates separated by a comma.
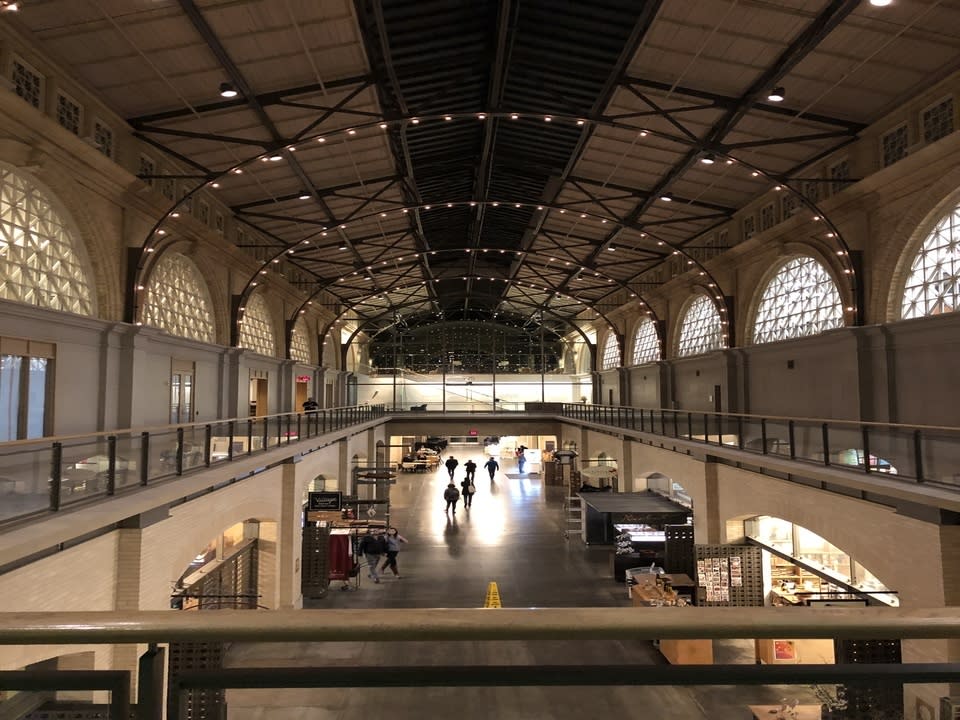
[(611, 352), (256, 327), (41, 259), (177, 299), (646, 343), (801, 299), (933, 285), (701, 330), (300, 342)]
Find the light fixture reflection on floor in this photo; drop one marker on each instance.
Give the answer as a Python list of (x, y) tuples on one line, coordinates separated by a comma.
[(227, 90), (777, 94)]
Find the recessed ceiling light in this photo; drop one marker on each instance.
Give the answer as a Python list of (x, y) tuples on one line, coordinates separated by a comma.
[(708, 159), (226, 89), (875, 3), (777, 94)]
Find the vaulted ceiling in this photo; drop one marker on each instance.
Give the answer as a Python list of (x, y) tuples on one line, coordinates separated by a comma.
[(492, 160)]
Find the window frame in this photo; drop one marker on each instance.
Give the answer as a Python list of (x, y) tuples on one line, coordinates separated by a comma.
[(698, 295), (953, 118), (111, 151), (42, 85), (62, 94), (905, 126)]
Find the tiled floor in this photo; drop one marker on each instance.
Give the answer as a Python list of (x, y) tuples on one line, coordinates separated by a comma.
[(511, 535)]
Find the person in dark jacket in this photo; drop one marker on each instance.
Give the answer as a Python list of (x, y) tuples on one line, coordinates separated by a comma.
[(471, 467), (451, 495), (372, 547), (451, 464), (467, 492), (492, 466)]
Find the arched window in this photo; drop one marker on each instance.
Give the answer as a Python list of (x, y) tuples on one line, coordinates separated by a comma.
[(611, 352), (701, 330), (177, 299), (41, 259), (933, 285), (256, 327), (646, 343), (300, 342), (801, 299)]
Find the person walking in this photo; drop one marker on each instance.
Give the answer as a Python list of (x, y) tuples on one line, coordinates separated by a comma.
[(467, 492), (451, 495), (394, 539), (471, 467), (492, 466), (451, 464), (521, 458), (372, 547), (310, 405)]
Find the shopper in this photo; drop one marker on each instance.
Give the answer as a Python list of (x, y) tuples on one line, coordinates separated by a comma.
[(521, 458), (471, 467), (492, 466), (372, 547), (468, 491), (451, 464), (394, 539), (310, 405), (451, 495)]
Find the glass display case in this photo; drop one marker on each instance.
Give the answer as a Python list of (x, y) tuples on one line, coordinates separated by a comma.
[(640, 533)]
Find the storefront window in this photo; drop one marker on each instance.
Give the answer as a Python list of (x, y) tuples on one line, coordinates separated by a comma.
[(818, 552)]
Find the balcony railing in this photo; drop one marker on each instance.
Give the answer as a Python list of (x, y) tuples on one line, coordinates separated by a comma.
[(917, 453), (877, 685), (48, 474)]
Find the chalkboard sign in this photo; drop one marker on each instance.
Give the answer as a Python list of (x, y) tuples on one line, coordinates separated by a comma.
[(324, 501)]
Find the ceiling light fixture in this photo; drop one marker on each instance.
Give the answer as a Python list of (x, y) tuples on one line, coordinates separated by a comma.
[(226, 89), (777, 94), (667, 197), (304, 195), (875, 3), (708, 159)]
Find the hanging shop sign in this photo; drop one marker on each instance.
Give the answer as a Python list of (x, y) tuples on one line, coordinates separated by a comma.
[(324, 501), (303, 378)]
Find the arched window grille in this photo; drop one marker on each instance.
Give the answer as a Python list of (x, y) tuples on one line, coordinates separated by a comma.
[(611, 352), (300, 342), (646, 343), (933, 285), (177, 299), (41, 259), (701, 330), (801, 299), (256, 328)]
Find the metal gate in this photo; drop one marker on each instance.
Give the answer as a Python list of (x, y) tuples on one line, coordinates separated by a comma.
[(232, 585)]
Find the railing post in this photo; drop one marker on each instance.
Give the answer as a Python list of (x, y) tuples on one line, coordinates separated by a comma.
[(299, 427), (706, 429), (865, 430), (739, 432), (793, 445), (643, 427), (663, 423), (763, 435), (690, 425), (111, 465), (633, 418), (279, 430), (144, 458), (179, 451), (676, 424), (825, 435), (266, 433), (56, 475), (207, 444), (231, 427), (918, 455), (249, 436)]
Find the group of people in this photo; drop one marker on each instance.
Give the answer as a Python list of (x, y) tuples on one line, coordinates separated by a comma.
[(373, 546), (451, 495)]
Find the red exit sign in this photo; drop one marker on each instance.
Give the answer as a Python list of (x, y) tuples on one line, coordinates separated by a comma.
[(303, 378), (473, 433)]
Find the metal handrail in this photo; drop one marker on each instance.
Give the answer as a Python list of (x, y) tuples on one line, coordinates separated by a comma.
[(471, 624), (186, 426), (777, 418)]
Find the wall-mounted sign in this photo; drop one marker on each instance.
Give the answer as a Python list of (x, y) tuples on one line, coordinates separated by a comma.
[(324, 501), (473, 433), (303, 378)]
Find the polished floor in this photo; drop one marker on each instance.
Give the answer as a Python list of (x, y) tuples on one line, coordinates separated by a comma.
[(513, 535)]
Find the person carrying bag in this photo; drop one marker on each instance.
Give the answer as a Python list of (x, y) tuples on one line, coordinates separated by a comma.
[(468, 490)]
